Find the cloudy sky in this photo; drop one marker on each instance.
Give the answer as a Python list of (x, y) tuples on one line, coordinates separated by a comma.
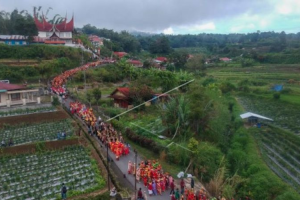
[(174, 16)]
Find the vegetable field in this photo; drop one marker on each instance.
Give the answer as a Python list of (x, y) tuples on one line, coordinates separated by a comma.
[(27, 111), (284, 115), (281, 152), (36, 132), (40, 176)]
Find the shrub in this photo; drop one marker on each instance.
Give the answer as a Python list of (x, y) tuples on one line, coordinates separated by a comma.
[(227, 87), (286, 91), (276, 95), (55, 101)]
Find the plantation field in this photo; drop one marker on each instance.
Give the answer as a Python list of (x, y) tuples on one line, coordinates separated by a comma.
[(37, 132), (284, 115), (40, 176), (34, 118), (26, 111), (260, 75), (280, 151)]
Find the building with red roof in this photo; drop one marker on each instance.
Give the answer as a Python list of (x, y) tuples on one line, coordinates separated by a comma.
[(121, 97), (11, 94), (160, 59), (62, 31), (120, 54), (225, 59), (136, 63), (95, 40)]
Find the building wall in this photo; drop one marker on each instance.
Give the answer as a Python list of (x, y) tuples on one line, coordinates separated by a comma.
[(62, 35), (15, 42), (3, 98)]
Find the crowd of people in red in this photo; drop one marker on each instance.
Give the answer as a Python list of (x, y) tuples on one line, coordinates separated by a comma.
[(57, 84)]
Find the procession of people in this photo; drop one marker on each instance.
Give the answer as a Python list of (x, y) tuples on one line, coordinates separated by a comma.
[(148, 172)]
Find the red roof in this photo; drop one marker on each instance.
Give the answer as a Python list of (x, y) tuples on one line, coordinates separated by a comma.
[(9, 87), (123, 90), (64, 26), (225, 59), (120, 54), (95, 38), (162, 59), (135, 62), (54, 42)]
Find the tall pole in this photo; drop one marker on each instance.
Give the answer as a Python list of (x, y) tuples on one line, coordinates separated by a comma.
[(107, 166), (83, 71), (135, 151)]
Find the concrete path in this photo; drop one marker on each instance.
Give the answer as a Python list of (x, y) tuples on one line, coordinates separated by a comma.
[(120, 168)]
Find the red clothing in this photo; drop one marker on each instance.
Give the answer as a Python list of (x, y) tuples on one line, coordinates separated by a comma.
[(173, 197), (182, 184), (150, 186), (172, 185), (140, 194)]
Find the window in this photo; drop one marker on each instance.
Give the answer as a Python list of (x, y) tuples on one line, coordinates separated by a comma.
[(15, 97)]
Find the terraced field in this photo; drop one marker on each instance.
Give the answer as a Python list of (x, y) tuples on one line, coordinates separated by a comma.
[(281, 152), (36, 132), (40, 176), (284, 115)]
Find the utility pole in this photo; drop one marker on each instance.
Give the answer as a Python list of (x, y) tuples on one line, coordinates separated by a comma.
[(135, 151), (108, 185), (83, 71)]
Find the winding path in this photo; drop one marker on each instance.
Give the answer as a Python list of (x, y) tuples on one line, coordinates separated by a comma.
[(119, 167)]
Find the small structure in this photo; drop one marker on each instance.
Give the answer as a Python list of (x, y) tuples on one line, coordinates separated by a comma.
[(120, 54), (95, 40), (11, 94), (135, 63), (160, 60), (277, 88), (121, 97), (13, 39), (253, 118), (225, 59)]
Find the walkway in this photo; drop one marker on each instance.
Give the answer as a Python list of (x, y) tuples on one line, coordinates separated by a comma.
[(120, 168)]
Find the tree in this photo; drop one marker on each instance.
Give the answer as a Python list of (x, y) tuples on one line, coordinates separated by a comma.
[(160, 46), (196, 64), (89, 97), (175, 114), (97, 96), (179, 59)]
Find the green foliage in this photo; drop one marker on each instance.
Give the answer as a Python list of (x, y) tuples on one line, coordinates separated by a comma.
[(244, 159), (17, 23), (97, 94), (179, 59), (40, 147), (160, 46), (122, 41), (55, 101), (196, 64), (247, 62), (276, 95), (227, 87)]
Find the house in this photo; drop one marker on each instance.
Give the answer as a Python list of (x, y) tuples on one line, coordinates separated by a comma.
[(136, 63), (57, 32), (13, 39), (225, 59), (160, 60), (11, 94), (95, 40), (121, 97), (120, 54)]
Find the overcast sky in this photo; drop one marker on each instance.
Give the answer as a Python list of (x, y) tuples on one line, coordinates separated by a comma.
[(174, 16)]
